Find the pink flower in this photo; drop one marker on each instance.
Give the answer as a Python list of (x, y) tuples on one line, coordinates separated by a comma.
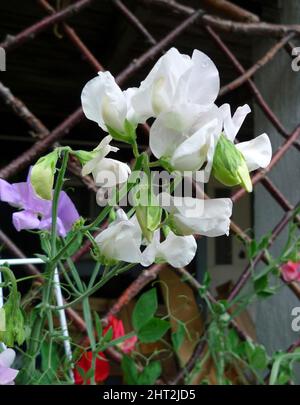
[(7, 374), (37, 213), (118, 331), (291, 271), (85, 364)]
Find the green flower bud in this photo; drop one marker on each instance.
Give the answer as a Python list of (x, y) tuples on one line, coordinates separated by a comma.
[(14, 328), (229, 165), (149, 218), (148, 210), (42, 175), (141, 214)]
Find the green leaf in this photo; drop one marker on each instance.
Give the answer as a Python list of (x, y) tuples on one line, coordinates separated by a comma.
[(252, 249), (144, 309), (256, 354), (232, 340), (75, 245), (98, 325), (264, 242), (259, 359), (49, 359), (108, 335), (205, 284), (44, 258), (153, 330), (150, 373), (262, 288), (178, 336), (281, 370), (130, 370)]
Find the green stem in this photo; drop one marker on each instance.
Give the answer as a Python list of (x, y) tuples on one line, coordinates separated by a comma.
[(94, 275), (51, 266), (64, 250), (117, 196), (90, 331), (135, 149), (92, 290), (57, 190)]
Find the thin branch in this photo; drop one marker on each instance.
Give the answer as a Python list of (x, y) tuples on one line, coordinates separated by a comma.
[(152, 52), (246, 274), (253, 29), (74, 38), (227, 9), (254, 90), (135, 21), (35, 29), (64, 128), (258, 65)]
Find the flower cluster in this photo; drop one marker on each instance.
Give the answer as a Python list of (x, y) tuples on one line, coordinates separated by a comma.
[(189, 133)]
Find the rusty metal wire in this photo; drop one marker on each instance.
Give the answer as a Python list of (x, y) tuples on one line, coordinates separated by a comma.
[(207, 23)]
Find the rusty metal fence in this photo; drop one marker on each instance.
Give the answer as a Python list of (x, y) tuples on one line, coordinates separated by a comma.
[(241, 21)]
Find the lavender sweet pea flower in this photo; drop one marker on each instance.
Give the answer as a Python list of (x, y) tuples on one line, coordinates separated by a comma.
[(36, 212), (7, 374)]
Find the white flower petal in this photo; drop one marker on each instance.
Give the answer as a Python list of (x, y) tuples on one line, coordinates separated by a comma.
[(178, 251), (192, 153), (121, 240), (110, 172), (89, 167), (163, 140), (127, 249), (196, 216), (257, 152), (201, 83), (150, 253), (233, 124), (131, 113), (103, 102), (156, 92)]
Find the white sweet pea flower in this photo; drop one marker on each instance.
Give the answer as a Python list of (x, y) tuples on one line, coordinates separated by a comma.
[(178, 251), (106, 172), (121, 240), (186, 144), (189, 215), (232, 163), (104, 102), (175, 80)]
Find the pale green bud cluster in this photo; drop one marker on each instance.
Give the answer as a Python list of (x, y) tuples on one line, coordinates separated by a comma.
[(12, 327)]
